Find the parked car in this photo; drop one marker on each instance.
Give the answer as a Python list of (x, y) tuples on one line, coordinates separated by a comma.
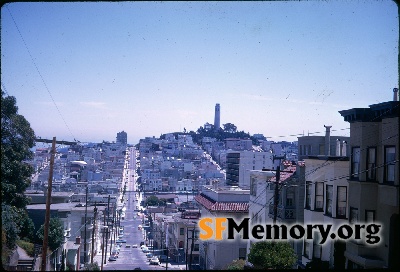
[(128, 245), (145, 249), (163, 258), (112, 258), (155, 261), (149, 255), (119, 241), (134, 245)]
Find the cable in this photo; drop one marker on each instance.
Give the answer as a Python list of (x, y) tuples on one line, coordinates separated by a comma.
[(40, 75)]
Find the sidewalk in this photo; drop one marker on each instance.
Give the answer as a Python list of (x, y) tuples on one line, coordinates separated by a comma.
[(174, 266), (97, 257)]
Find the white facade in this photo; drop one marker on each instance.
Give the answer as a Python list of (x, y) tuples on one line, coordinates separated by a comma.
[(326, 202)]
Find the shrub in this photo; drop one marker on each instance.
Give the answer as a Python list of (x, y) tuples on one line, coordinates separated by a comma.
[(28, 247)]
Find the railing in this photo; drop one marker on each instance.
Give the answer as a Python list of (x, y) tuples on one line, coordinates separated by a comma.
[(282, 212)]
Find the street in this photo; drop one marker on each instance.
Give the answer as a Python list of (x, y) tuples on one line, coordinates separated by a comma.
[(130, 258)]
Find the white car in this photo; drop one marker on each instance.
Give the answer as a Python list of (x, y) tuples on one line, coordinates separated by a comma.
[(155, 261), (134, 246), (145, 249)]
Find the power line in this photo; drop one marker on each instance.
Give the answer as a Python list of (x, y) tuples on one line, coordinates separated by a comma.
[(40, 75)]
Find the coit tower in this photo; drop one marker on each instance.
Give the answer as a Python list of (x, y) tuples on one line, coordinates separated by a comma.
[(217, 117)]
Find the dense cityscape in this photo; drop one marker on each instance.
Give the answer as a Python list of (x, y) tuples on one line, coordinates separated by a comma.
[(121, 206)]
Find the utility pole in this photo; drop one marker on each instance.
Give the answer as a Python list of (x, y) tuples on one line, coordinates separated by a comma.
[(191, 249), (48, 203), (102, 247), (93, 230), (108, 215), (276, 192), (84, 245), (187, 243)]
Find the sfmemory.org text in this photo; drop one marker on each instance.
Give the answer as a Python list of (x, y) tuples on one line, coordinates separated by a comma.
[(219, 228)]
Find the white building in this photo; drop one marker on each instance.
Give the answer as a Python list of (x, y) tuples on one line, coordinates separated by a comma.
[(240, 163), (229, 201)]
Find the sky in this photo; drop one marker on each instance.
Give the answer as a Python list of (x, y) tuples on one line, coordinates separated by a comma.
[(88, 70)]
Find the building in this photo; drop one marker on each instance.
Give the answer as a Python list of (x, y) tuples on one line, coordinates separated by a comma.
[(122, 137), (240, 163), (290, 195), (182, 239), (322, 145), (326, 202), (217, 117), (72, 216), (229, 201), (374, 182), (238, 144)]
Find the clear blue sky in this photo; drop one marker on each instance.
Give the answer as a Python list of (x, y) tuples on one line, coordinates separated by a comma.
[(276, 68)]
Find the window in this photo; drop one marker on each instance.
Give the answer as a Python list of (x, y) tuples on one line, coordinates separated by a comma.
[(319, 196), (290, 197), (390, 157), (355, 162), (242, 253), (181, 231), (253, 187), (308, 196), (341, 202), (317, 248), (306, 250), (371, 163), (369, 216), (329, 196), (353, 215), (196, 247), (321, 149)]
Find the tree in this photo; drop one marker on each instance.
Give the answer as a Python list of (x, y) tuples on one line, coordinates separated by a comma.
[(151, 201), (272, 255), (56, 233), (9, 226), (229, 127), (17, 138)]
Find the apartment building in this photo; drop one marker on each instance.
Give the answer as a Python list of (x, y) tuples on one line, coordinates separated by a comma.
[(290, 194), (182, 239), (240, 163), (122, 138), (225, 201), (322, 145), (374, 182), (326, 202), (238, 144)]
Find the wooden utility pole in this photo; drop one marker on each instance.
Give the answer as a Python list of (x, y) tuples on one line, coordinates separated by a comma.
[(84, 245), (48, 202), (93, 231), (191, 249), (276, 192)]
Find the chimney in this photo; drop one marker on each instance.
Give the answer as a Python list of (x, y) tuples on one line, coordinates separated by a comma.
[(344, 151), (338, 151), (327, 140), (395, 94)]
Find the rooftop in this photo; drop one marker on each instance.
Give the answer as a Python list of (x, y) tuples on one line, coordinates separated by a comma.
[(212, 205)]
